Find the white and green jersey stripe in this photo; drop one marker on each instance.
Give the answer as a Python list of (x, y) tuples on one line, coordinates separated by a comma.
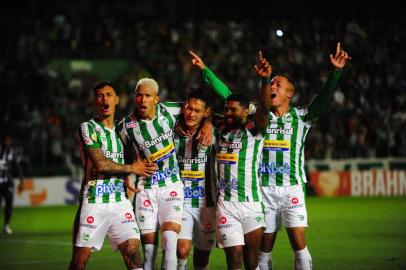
[(283, 154), (153, 141), (196, 164), (97, 187), (238, 156)]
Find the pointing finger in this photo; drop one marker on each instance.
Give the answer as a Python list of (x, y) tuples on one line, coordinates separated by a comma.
[(193, 54)]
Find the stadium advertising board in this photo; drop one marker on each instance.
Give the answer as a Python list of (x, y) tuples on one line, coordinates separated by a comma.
[(357, 183)]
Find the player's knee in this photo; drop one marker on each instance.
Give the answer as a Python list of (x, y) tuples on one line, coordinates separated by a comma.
[(234, 260), (251, 263), (267, 242), (78, 264), (182, 252)]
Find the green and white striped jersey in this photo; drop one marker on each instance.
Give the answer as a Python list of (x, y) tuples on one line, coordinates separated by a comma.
[(283, 154), (153, 140), (238, 156), (97, 187), (196, 164)]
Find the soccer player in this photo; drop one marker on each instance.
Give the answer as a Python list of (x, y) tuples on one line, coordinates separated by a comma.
[(282, 167), (238, 154), (9, 161), (196, 165), (159, 204), (104, 207)]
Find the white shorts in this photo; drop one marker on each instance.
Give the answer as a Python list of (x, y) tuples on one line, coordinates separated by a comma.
[(286, 205), (235, 219), (155, 206), (117, 220), (199, 224)]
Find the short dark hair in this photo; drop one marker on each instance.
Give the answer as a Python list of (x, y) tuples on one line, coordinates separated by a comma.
[(241, 98), (102, 84), (199, 93)]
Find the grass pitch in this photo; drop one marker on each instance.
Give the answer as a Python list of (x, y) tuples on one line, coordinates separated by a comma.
[(344, 233)]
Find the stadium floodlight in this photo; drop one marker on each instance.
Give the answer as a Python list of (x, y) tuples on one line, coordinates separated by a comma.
[(279, 33)]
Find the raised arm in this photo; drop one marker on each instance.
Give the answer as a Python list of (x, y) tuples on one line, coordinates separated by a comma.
[(210, 78), (321, 100), (264, 70)]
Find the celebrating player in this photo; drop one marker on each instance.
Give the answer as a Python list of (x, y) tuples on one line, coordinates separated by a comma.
[(238, 154), (104, 207), (282, 168), (196, 163), (160, 202)]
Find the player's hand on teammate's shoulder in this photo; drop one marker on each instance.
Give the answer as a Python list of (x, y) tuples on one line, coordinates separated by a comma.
[(340, 58), (205, 134), (143, 168), (196, 60), (263, 68)]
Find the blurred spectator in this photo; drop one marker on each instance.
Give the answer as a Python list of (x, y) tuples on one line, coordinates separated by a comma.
[(45, 106)]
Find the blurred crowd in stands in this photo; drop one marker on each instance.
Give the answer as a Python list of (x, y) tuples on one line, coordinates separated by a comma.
[(367, 117)]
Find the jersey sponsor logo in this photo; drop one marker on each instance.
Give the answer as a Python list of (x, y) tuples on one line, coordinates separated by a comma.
[(194, 193), (110, 154), (129, 218), (147, 203), (276, 145), (208, 226), (294, 200), (227, 158), (223, 220), (173, 196), (295, 206), (192, 176), (131, 124), (109, 188), (230, 145), (192, 160), (223, 223), (273, 168), (90, 219), (162, 154), (227, 184), (162, 175), (146, 209), (284, 131), (165, 136)]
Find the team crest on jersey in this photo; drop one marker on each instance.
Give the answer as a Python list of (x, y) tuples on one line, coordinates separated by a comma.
[(201, 147), (163, 121), (287, 118)]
